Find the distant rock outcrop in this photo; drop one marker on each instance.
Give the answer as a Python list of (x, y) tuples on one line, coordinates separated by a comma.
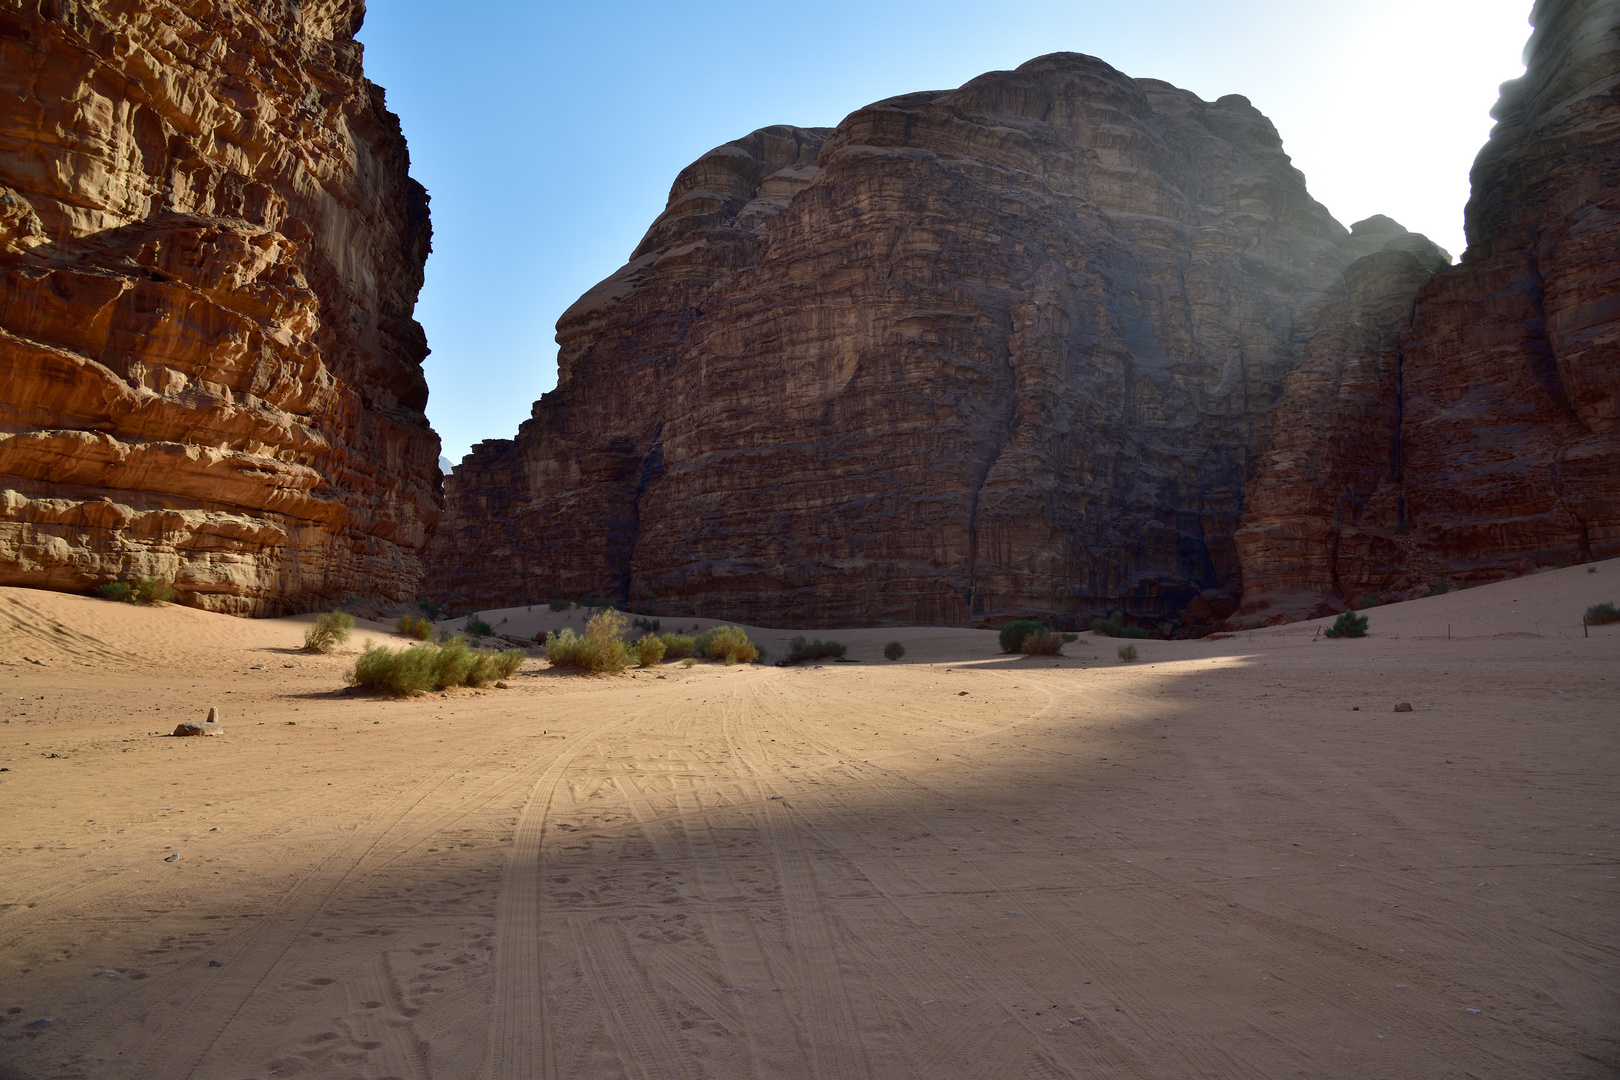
[(210, 251), (998, 350), (1472, 431)]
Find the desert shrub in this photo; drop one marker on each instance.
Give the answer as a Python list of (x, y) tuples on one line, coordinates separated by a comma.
[(593, 602), (728, 643), (477, 627), (689, 661), (1366, 602), (600, 649), (1114, 626), (678, 646), (417, 668), (1067, 637), (1043, 642), (649, 626), (1602, 614), (434, 611), (1591, 569), (649, 650), (120, 591), (1014, 633), (330, 631), (153, 591), (801, 651), (893, 651), (398, 674), (1442, 588), (1348, 624), (1127, 654), (414, 626), (559, 605)]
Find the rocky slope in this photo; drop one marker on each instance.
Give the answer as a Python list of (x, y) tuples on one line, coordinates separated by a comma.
[(210, 251), (1007, 348), (1474, 433)]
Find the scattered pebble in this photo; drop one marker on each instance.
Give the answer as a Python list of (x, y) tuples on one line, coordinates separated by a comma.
[(1405, 706), (173, 858)]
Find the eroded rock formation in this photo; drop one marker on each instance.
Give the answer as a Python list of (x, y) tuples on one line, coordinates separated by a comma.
[(1003, 349), (1476, 433), (210, 250)]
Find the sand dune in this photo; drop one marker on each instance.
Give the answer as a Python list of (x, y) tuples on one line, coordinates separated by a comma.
[(1231, 859)]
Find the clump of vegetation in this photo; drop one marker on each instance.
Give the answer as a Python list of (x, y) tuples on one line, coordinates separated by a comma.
[(678, 646), (728, 643), (1127, 654), (1348, 624), (649, 626), (1068, 637), (121, 591), (601, 649), (801, 651), (1014, 633), (1366, 602), (1602, 614), (330, 631), (649, 650), (1114, 626), (153, 591), (689, 661), (417, 668), (414, 626), (893, 651), (1042, 642), (559, 605), (434, 611), (1442, 588), (477, 627), (592, 603)]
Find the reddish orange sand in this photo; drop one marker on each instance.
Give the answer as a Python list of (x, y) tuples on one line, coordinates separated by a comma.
[(1205, 864)]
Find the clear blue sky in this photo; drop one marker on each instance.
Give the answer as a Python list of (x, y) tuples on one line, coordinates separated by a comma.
[(548, 133)]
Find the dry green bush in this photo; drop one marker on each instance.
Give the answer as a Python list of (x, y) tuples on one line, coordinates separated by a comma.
[(649, 650), (678, 646), (1348, 624), (801, 651), (330, 631), (728, 643), (601, 650), (1127, 654), (414, 626), (418, 668), (1602, 614), (1043, 642), (893, 651)]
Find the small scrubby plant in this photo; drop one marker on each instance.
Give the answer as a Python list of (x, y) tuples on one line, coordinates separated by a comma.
[(414, 626), (678, 646), (330, 631), (120, 591), (1348, 624), (153, 591), (689, 661), (601, 650), (1114, 626), (893, 651), (801, 651), (559, 605), (1014, 633), (649, 626), (728, 643), (1602, 614), (649, 651), (434, 611), (477, 627), (1043, 642), (1127, 654), (1366, 602), (418, 668)]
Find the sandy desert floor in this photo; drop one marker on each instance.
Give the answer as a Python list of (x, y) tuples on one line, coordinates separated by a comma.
[(1231, 859)]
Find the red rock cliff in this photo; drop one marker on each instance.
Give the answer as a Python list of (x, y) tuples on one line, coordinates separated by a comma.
[(1008, 348), (210, 250), (1475, 433)]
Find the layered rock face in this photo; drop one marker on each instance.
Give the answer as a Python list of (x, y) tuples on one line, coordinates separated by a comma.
[(1003, 349), (210, 251), (1475, 434)]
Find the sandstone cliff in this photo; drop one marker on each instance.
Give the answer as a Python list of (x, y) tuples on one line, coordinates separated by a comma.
[(1475, 431), (210, 250), (1007, 348)]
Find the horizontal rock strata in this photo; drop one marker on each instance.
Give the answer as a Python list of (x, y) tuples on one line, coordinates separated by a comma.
[(1000, 350), (1477, 433), (210, 250)]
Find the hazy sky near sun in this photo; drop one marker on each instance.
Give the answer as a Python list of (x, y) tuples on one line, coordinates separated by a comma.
[(548, 133)]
